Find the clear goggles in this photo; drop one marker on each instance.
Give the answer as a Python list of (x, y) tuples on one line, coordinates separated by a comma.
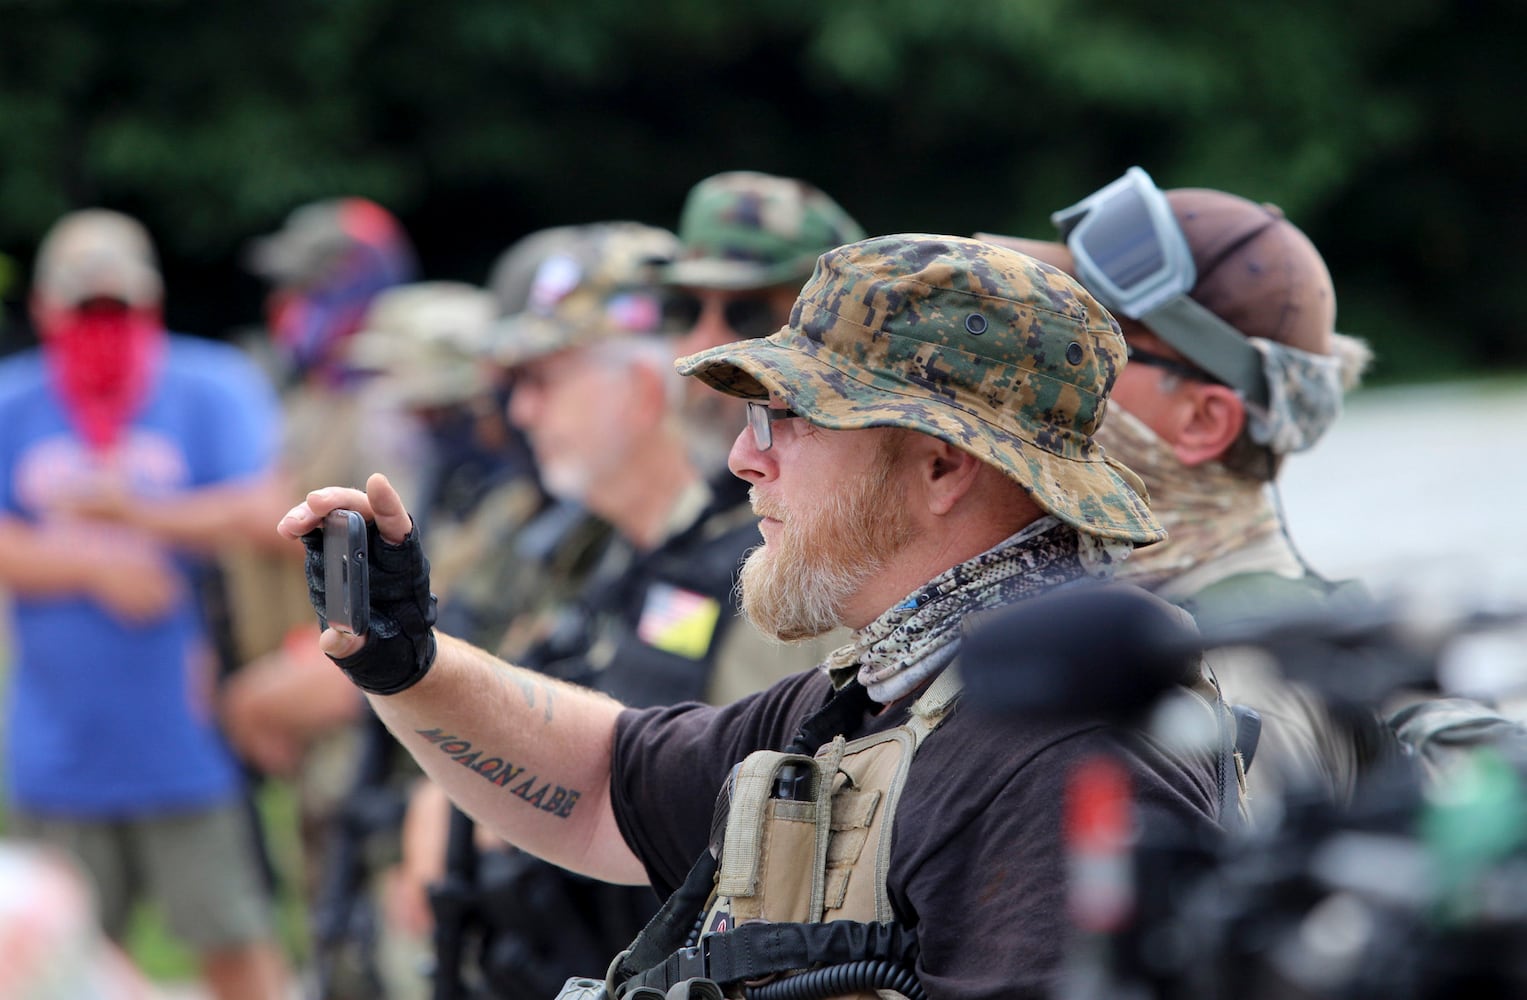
[(1132, 255)]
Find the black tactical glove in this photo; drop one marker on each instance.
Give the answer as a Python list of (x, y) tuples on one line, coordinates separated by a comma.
[(400, 635)]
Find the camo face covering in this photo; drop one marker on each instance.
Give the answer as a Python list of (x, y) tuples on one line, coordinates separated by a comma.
[(899, 650), (1208, 510), (1304, 397)]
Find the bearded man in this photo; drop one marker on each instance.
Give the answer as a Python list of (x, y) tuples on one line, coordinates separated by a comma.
[(919, 445)]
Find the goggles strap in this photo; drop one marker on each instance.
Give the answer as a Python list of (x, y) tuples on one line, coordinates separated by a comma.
[(1211, 344)]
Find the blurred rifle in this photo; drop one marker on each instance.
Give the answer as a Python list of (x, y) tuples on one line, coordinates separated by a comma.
[(345, 921), (509, 925), (1417, 888)]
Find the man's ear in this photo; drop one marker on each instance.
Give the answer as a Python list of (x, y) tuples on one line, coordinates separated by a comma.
[(945, 473), (1215, 421)]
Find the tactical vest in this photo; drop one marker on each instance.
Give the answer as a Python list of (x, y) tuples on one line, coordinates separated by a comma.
[(1257, 596), (800, 881), (648, 632), (1359, 742)]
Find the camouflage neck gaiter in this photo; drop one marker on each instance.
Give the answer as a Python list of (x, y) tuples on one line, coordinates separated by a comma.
[(896, 652), (1207, 510)]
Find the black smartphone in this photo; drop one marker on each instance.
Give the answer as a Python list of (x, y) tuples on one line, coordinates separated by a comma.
[(346, 577)]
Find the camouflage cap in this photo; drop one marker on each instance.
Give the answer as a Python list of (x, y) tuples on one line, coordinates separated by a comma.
[(600, 284), (515, 270), (425, 341), (96, 253), (999, 354), (744, 230)]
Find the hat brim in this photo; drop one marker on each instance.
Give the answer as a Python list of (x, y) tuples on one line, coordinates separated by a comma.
[(521, 339), (421, 389), (1098, 496), (273, 258), (732, 275)]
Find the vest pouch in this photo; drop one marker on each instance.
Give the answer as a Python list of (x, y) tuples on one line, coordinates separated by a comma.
[(872, 773), (777, 828)]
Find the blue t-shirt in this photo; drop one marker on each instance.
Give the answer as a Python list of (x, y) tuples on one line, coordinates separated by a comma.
[(107, 718)]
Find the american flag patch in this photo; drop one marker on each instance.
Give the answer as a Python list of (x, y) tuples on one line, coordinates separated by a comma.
[(678, 621)]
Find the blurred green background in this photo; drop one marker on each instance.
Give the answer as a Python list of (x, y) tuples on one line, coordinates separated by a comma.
[(1388, 131)]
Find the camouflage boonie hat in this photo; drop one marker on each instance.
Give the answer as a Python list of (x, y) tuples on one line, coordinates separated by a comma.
[(744, 230), (600, 284), (1000, 355), (425, 341)]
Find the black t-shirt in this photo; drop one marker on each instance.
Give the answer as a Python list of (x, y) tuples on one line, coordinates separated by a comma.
[(977, 862)]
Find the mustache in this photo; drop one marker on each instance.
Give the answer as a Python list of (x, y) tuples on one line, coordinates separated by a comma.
[(763, 506)]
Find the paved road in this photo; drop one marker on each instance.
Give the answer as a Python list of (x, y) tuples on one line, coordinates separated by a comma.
[(1427, 480)]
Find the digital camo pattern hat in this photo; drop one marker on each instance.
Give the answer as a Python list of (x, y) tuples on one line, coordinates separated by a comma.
[(744, 230), (997, 353), (600, 284)]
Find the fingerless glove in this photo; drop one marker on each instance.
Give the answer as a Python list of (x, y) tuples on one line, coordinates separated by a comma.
[(400, 634)]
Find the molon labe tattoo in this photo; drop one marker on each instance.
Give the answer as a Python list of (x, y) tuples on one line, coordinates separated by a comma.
[(544, 795)]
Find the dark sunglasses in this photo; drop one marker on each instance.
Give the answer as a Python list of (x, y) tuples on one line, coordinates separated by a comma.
[(749, 318), (1170, 365)]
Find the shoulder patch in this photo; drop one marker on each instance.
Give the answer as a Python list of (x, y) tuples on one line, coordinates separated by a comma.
[(678, 621)]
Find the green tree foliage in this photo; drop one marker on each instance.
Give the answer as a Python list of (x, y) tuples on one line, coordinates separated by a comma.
[(1377, 127)]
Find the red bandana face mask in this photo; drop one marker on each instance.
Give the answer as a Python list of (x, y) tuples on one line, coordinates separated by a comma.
[(101, 358)]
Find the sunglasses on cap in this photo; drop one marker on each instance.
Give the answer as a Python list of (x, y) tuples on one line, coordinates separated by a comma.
[(761, 419), (1132, 255), (750, 318)]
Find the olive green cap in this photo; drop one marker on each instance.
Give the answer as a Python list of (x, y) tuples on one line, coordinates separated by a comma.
[(744, 230)]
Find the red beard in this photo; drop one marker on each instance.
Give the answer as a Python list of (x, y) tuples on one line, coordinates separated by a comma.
[(101, 359)]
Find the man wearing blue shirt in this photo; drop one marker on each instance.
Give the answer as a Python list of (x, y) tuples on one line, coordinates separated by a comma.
[(126, 456)]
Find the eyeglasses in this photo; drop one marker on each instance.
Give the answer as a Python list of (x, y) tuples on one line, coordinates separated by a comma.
[(1131, 253), (749, 317), (761, 417), (1166, 364)]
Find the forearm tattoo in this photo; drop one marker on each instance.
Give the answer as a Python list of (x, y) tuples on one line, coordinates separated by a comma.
[(529, 688), (544, 795)]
